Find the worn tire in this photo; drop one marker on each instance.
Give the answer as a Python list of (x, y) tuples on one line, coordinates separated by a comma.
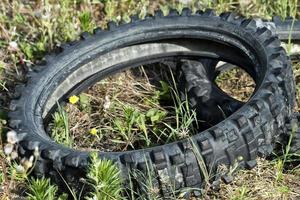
[(238, 139)]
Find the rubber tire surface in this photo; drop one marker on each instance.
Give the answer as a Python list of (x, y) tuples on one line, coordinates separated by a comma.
[(250, 131), (288, 29)]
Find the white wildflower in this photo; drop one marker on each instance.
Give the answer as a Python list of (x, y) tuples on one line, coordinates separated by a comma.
[(107, 103), (14, 155), (13, 45), (183, 133), (94, 198), (31, 158), (185, 1), (8, 158), (20, 169), (23, 160), (46, 16), (118, 17), (36, 152), (8, 148), (240, 158), (245, 3), (295, 49), (28, 163), (12, 137)]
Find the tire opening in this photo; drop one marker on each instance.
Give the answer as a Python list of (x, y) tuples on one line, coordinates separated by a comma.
[(235, 81)]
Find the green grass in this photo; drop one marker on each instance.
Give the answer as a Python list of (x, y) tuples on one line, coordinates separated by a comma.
[(104, 179), (131, 121), (42, 189), (60, 131)]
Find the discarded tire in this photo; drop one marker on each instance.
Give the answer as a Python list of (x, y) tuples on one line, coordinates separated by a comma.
[(250, 130)]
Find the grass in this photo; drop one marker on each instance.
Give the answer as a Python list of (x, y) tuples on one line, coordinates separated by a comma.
[(280, 175), (134, 114), (237, 83), (261, 183), (28, 29), (41, 189), (104, 177), (60, 130)]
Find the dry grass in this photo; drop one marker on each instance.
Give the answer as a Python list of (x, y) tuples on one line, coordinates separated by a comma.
[(262, 183), (129, 110), (296, 66), (106, 103), (237, 83)]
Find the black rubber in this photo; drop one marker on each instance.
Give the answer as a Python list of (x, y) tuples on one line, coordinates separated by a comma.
[(288, 29), (211, 103), (292, 133), (249, 131)]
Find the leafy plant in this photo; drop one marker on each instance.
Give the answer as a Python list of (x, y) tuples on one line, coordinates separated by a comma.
[(17, 172), (146, 188), (60, 130), (42, 189), (86, 21), (185, 117), (1, 177), (242, 193), (155, 115), (104, 178), (85, 103)]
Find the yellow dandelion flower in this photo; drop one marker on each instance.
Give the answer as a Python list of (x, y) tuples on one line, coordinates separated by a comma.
[(93, 131), (73, 99)]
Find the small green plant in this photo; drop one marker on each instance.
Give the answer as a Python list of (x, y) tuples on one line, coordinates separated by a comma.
[(289, 44), (86, 21), (85, 103), (133, 119), (17, 172), (60, 130), (1, 177), (110, 9), (279, 169), (104, 178), (146, 188), (42, 189), (242, 193), (186, 122)]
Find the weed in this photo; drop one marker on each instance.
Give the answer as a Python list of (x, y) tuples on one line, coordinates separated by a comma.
[(85, 103), (242, 194), (86, 22), (42, 189), (104, 177), (132, 114), (1, 178), (185, 117), (60, 131), (142, 186), (237, 83)]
